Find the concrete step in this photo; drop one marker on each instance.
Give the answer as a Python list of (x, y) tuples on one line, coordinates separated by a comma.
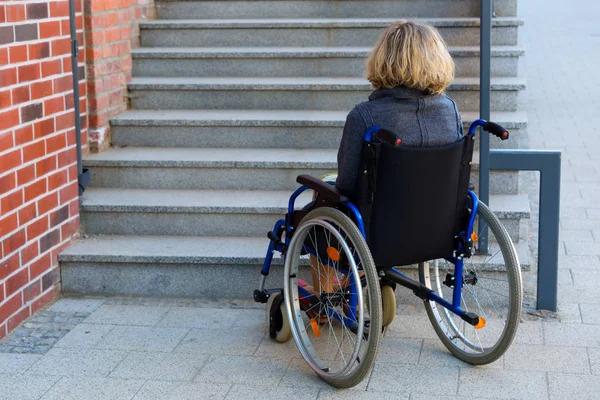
[(219, 212), (295, 129), (294, 93), (294, 61), (214, 267), (177, 9), (234, 168), (304, 32)]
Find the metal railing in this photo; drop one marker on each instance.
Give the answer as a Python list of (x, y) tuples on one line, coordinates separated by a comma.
[(547, 162)]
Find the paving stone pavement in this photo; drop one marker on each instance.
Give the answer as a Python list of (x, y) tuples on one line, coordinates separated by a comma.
[(177, 349)]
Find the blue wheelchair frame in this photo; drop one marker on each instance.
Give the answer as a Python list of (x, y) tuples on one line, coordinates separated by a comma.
[(392, 274)]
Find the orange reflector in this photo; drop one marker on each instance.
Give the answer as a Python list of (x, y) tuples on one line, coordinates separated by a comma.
[(315, 327), (481, 323), (474, 236), (333, 254)]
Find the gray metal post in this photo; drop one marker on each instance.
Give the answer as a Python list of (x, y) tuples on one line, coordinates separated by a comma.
[(484, 111), (548, 163)]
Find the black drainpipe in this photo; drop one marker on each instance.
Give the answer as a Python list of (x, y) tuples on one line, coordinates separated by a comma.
[(83, 175)]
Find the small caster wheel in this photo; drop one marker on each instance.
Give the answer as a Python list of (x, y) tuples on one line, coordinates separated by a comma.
[(277, 321), (388, 303)]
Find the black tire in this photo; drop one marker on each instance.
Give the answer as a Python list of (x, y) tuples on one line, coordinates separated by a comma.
[(485, 345), (341, 234)]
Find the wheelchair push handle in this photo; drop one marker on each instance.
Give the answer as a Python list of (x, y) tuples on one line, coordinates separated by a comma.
[(491, 127)]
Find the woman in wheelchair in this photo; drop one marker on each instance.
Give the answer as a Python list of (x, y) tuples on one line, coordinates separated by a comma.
[(401, 199)]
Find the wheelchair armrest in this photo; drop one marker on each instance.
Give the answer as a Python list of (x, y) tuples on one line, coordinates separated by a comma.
[(326, 190)]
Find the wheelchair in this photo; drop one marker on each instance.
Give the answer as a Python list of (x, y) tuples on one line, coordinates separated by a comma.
[(412, 206)]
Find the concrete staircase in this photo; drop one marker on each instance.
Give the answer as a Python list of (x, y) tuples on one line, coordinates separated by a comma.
[(230, 101)]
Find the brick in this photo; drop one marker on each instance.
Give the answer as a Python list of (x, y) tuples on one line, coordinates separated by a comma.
[(53, 106), (34, 151), (66, 157), (53, 67), (10, 307), (112, 35), (8, 224), (32, 291), (16, 320), (37, 11), (49, 240), (6, 35), (47, 203), (56, 143), (94, 38), (50, 279), (41, 89), (20, 95), (98, 120), (61, 47), (71, 137), (26, 32), (59, 9), (93, 6), (1, 300), (27, 214), (45, 299), (37, 228), (10, 160), (29, 72), (69, 193), (63, 84), (2, 15), (7, 183), (43, 128), (18, 54), (45, 166), (49, 29), (32, 112), (14, 241), (70, 228), (8, 266), (8, 77), (3, 56), (6, 139), (57, 180), (38, 51), (23, 135), (17, 282), (5, 99), (11, 201), (29, 252), (15, 13), (26, 174), (35, 190), (65, 121), (39, 267), (60, 216)]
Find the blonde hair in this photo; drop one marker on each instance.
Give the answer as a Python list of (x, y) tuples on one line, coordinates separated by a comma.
[(412, 54)]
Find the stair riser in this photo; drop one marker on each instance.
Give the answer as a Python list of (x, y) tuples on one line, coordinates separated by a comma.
[(298, 67), (467, 100), (307, 37), (329, 9), (197, 224), (248, 137), (501, 182)]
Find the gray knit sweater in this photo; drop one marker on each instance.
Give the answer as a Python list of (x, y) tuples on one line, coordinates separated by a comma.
[(419, 119)]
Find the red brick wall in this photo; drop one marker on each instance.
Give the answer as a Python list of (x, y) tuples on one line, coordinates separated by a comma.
[(39, 206), (111, 32)]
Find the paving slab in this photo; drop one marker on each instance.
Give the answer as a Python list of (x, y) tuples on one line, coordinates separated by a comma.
[(300, 376), (160, 366), (569, 313), (224, 342), (243, 370), (594, 355), (581, 335), (69, 388), (127, 315), (435, 354), (570, 386), (501, 384), (202, 319), (590, 313), (25, 387), (76, 305), (547, 358), (156, 390), (85, 335), (11, 363), (142, 338), (77, 362), (414, 379), (242, 392), (396, 350)]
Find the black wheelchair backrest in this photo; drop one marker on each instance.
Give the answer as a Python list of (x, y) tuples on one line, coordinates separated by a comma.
[(413, 200)]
